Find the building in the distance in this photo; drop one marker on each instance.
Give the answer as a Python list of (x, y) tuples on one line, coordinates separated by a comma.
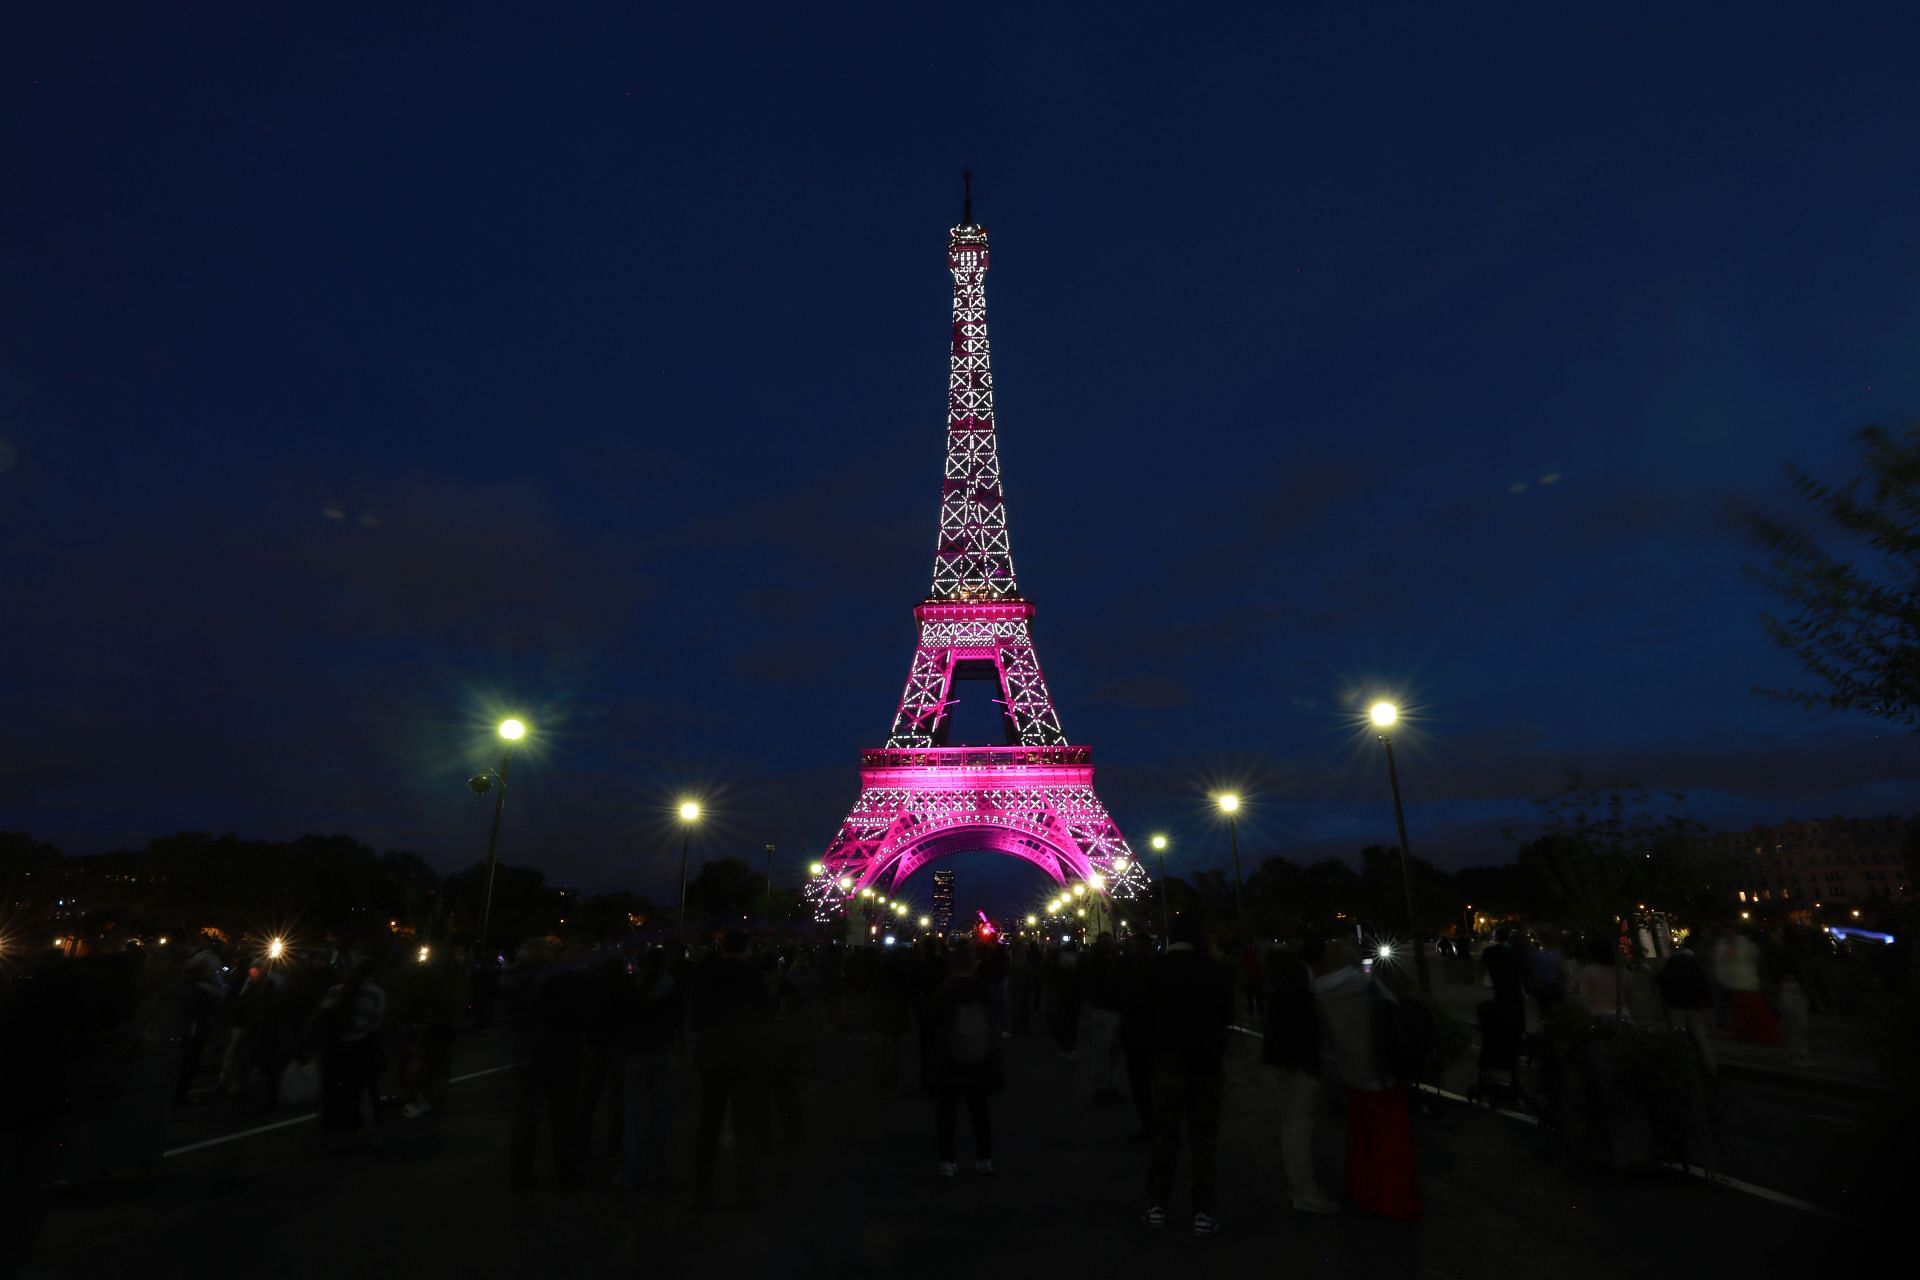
[(942, 901), (1807, 864)]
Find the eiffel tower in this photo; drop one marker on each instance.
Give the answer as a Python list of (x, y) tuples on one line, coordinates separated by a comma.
[(920, 798)]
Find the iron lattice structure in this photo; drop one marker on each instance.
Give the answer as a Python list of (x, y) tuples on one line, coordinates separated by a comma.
[(920, 798)]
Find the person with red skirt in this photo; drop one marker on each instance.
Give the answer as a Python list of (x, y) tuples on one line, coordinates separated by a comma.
[(1380, 1166)]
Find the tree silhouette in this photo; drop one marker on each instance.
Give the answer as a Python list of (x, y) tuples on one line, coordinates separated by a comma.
[(1851, 596)]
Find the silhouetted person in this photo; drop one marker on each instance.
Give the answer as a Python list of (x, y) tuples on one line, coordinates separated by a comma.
[(602, 1072), (198, 1001), (1023, 975), (1192, 1006), (790, 1045), (1103, 1019), (1064, 979), (964, 1062), (1292, 1048), (348, 1026), (1546, 967), (546, 1013), (652, 1013), (730, 1011), (1501, 960), (1136, 1028), (1689, 1000), (995, 964)]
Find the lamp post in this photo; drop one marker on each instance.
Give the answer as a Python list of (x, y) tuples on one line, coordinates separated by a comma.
[(511, 730), (1159, 843), (1385, 715), (1230, 805), (689, 814)]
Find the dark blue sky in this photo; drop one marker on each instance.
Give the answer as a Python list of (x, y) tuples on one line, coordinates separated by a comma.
[(362, 376)]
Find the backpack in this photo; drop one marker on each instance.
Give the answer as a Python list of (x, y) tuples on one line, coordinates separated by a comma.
[(1402, 1035), (970, 1038)]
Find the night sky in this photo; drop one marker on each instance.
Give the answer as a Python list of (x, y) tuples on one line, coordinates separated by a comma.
[(363, 378)]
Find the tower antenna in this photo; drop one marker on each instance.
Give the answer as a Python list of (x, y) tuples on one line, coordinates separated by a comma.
[(966, 216)]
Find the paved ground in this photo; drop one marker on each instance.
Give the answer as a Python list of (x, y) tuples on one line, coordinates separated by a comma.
[(862, 1200)]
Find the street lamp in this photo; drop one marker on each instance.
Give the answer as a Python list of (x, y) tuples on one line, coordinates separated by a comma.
[(511, 731), (689, 815), (1384, 716), (1230, 805), (1159, 843)]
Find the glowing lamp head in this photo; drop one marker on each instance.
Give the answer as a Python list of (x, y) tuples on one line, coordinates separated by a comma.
[(689, 811), (1159, 842), (1096, 882), (817, 869), (1228, 802), (926, 922), (276, 947), (1384, 715), (513, 730), (1120, 865), (846, 882), (1385, 952), (1079, 891), (899, 908), (1031, 921)]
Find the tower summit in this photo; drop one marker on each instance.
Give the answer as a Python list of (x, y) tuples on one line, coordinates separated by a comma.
[(921, 798), (974, 560)]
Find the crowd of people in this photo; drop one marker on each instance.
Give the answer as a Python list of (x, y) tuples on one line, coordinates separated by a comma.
[(616, 1051), (1759, 988), (596, 1040)]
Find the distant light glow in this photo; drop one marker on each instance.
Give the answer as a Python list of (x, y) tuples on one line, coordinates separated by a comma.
[(926, 922), (276, 947), (513, 730), (424, 953), (1159, 842), (1385, 952), (1096, 882), (689, 811), (817, 869), (1847, 931), (1383, 714), (1031, 921), (846, 882)]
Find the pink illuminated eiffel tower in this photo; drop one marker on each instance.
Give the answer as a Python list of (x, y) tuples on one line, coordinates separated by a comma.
[(921, 799)]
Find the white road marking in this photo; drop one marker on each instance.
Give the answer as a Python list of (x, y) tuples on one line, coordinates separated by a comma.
[(293, 1120)]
